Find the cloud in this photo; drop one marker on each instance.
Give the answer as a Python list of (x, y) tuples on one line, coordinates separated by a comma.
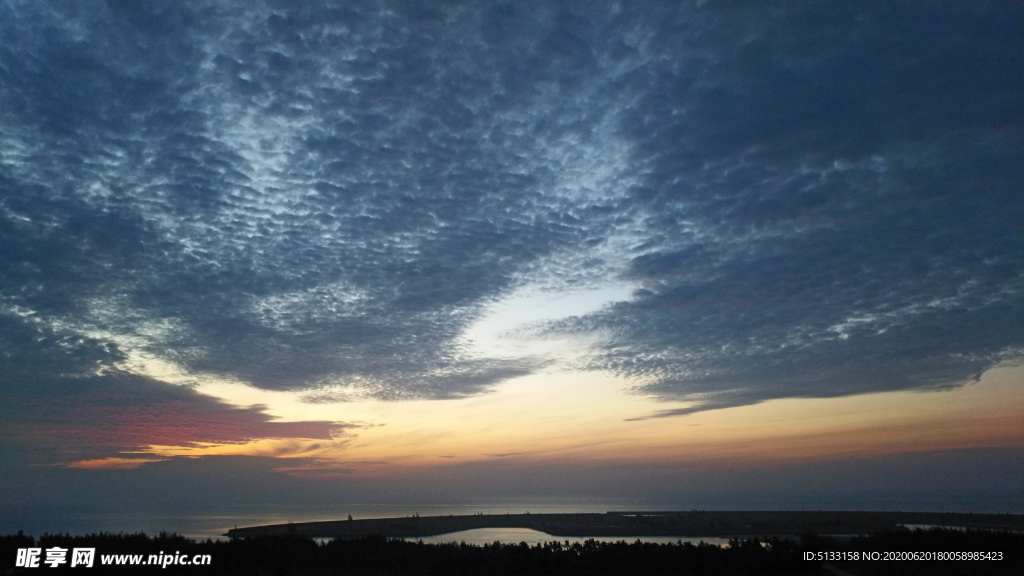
[(302, 197), (831, 209), (123, 414), (811, 201), (111, 463)]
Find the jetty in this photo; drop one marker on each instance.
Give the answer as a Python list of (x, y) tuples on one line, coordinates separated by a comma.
[(693, 523)]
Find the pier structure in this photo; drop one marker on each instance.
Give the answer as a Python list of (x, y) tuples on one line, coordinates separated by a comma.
[(645, 523)]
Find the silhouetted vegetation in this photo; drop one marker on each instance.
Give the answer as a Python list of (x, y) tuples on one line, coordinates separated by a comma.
[(376, 555)]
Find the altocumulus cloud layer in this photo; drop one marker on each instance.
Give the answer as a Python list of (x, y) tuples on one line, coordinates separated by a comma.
[(811, 199)]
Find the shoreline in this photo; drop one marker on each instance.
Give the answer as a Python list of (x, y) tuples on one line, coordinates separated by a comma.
[(694, 523)]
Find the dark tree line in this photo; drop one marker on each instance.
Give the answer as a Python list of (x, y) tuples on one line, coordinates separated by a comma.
[(376, 555)]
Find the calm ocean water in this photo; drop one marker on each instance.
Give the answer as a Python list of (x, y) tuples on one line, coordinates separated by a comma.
[(213, 522)]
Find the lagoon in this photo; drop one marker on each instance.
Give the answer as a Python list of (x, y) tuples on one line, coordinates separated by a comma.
[(481, 536)]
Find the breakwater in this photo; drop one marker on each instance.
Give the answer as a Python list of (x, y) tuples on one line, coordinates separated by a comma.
[(644, 523)]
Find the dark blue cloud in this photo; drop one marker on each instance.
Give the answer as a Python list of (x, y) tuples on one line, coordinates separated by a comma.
[(76, 419), (833, 207), (812, 200)]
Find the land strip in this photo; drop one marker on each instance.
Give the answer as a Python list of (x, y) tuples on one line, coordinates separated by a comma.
[(646, 523)]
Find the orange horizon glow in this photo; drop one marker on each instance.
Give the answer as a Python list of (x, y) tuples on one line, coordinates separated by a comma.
[(543, 417)]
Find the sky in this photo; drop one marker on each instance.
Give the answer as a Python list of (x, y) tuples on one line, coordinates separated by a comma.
[(290, 252)]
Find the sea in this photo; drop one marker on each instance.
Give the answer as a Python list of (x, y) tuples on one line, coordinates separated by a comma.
[(214, 521)]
